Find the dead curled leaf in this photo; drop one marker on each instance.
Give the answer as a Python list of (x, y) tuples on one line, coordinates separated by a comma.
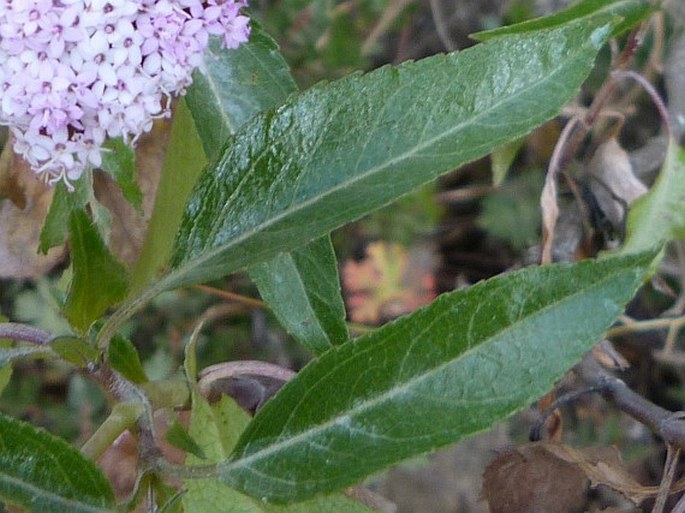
[(21, 219), (553, 477), (613, 182)]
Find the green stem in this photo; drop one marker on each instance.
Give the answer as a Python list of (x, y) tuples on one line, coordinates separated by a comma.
[(123, 416)]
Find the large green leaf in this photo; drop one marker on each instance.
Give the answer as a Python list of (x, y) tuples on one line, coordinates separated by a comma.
[(304, 291), (631, 11), (340, 150), (302, 288), (659, 215), (470, 359), (44, 474), (99, 282)]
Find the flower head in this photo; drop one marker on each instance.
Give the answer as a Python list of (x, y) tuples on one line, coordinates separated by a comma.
[(76, 72)]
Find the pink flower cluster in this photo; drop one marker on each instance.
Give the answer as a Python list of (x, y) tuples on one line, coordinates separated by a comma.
[(76, 72)]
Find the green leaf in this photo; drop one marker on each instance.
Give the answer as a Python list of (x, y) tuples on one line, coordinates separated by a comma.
[(44, 474), (56, 226), (302, 288), (470, 359), (216, 428), (305, 288), (632, 12), (179, 437), (74, 350), (659, 215), (183, 162), (119, 160), (5, 377), (340, 150), (123, 357), (99, 279), (236, 85), (502, 158)]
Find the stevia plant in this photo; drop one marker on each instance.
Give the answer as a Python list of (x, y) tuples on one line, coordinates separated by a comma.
[(257, 174)]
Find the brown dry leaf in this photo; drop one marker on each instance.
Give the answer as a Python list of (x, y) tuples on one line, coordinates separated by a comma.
[(603, 466), (389, 282), (613, 183), (533, 479), (21, 220), (128, 225)]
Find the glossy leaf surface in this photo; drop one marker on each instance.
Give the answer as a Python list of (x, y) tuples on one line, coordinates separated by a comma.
[(631, 12), (343, 149), (236, 85), (44, 474), (659, 215), (452, 369), (99, 282), (302, 287)]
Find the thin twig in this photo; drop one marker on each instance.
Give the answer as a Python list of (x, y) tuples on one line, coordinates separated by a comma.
[(649, 88), (253, 303), (25, 333), (633, 326), (672, 456), (668, 425)]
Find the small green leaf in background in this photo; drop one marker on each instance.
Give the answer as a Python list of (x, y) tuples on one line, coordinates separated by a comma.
[(44, 474), (124, 358), (659, 215), (452, 369), (341, 150), (305, 286), (302, 288), (56, 226), (501, 159), (99, 279), (119, 160), (179, 437), (216, 428), (74, 350), (512, 212), (631, 13)]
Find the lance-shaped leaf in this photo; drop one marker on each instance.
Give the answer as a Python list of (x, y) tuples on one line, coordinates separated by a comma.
[(99, 282), (452, 369), (44, 474), (632, 12), (659, 215), (301, 287), (341, 150)]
